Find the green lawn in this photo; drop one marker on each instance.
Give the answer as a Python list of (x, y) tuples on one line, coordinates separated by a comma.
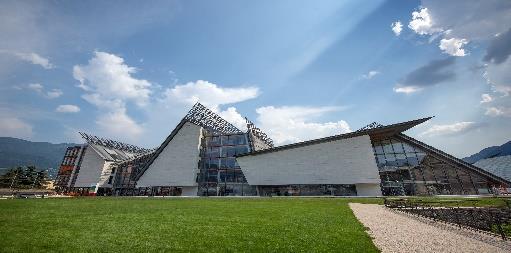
[(180, 224)]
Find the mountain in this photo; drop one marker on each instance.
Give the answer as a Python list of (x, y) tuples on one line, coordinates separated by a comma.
[(502, 150), (17, 152)]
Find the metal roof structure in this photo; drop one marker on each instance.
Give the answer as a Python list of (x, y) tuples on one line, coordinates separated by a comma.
[(113, 150), (370, 126), (200, 116), (204, 117), (258, 133), (113, 144)]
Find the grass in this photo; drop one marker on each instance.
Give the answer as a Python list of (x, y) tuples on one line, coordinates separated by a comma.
[(182, 225)]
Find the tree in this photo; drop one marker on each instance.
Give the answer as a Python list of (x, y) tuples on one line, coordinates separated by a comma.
[(24, 177)]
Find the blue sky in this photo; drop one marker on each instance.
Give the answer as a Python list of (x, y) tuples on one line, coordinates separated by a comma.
[(130, 70)]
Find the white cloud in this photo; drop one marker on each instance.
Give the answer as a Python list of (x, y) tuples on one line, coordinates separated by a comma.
[(15, 127), (36, 87), (233, 117), (108, 76), (498, 111), (209, 94), (118, 125), (397, 27), (55, 93), (452, 129), (39, 88), (370, 74), (407, 89), (67, 108), (453, 46), (289, 124), (486, 98), (422, 23), (109, 84), (35, 59)]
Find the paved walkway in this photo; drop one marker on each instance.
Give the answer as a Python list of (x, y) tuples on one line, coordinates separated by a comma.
[(394, 231)]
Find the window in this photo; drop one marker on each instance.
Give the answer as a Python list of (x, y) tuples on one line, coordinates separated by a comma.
[(214, 140), (228, 163), (387, 147), (378, 149), (213, 163), (110, 179), (398, 147), (241, 150)]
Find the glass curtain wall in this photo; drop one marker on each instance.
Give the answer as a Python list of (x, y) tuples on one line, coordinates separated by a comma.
[(219, 173), (308, 190), (406, 169)]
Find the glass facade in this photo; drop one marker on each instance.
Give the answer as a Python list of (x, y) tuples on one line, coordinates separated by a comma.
[(308, 190), (124, 180), (69, 168), (407, 169), (219, 173)]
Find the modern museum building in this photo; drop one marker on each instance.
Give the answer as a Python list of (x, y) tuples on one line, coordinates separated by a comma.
[(207, 156)]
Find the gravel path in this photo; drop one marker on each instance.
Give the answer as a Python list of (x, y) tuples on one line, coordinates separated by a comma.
[(393, 231)]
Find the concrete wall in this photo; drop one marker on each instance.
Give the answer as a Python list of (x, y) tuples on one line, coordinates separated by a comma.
[(346, 161), (90, 169), (177, 163)]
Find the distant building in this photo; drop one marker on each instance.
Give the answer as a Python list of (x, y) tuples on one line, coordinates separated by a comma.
[(87, 168), (500, 166), (207, 156)]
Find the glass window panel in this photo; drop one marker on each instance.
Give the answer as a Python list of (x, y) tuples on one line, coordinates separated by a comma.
[(390, 156), (412, 161), (213, 164), (421, 156), (231, 151), (387, 147), (411, 155), (241, 150), (378, 149), (228, 163), (241, 140), (398, 147), (214, 140), (380, 159), (408, 148)]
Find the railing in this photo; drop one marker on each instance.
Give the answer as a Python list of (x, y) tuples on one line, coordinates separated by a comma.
[(491, 220)]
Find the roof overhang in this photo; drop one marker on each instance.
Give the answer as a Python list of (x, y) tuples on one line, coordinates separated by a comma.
[(374, 133)]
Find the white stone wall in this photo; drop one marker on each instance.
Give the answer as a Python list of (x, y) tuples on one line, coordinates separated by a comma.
[(177, 164), (346, 161), (90, 169)]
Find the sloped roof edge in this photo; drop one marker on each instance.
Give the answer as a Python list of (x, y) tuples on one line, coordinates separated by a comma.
[(453, 158), (397, 128)]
